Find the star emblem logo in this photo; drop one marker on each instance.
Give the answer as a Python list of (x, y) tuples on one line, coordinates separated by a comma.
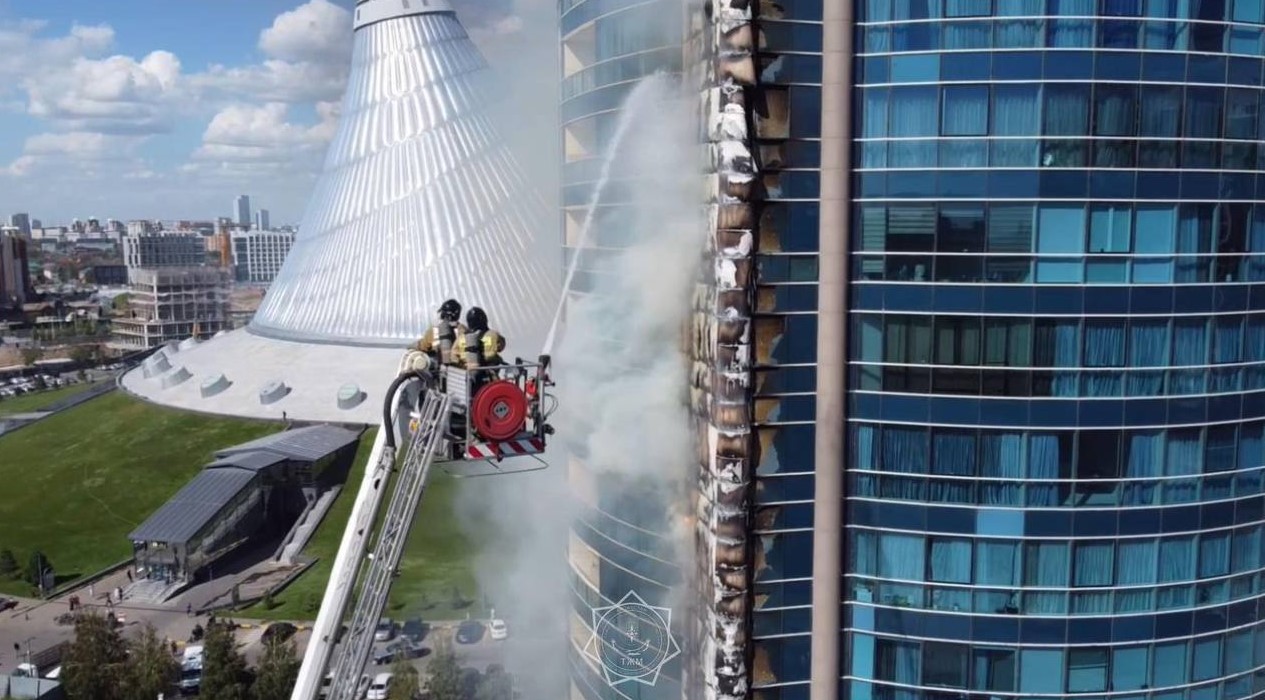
[(631, 640)]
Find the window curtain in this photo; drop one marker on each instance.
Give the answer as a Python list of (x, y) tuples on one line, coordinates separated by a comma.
[(1248, 480), (967, 34), (965, 111), (863, 445), (901, 557), (953, 454), (996, 564), (1256, 244), (1182, 458), (1043, 463), (1214, 555), (874, 116), (1071, 33), (1019, 33), (878, 10), (1227, 347), (1066, 110), (1177, 560), (1190, 348), (1066, 354), (1002, 458), (1195, 224), (1104, 347), (1094, 562), (1146, 460), (951, 561), (915, 112), (1135, 566), (1116, 111), (1148, 347), (908, 664), (905, 451), (1254, 351), (1045, 566), (865, 556)]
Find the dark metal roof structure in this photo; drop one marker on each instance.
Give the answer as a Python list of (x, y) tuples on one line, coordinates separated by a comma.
[(305, 444), (193, 506), (255, 461)]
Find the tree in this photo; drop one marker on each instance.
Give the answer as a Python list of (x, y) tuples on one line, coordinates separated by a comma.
[(277, 671), (8, 564), (150, 669), (404, 681), (37, 569), (82, 354), (496, 684), (93, 666), (445, 674), (223, 668)]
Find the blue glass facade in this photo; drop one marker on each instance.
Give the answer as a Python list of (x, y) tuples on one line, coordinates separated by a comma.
[(608, 45), (1057, 364)]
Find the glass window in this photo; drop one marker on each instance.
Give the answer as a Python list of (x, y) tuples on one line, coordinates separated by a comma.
[(1066, 110), (1177, 556), (967, 8), (1110, 228), (1093, 564), (1129, 668), (901, 556), (1115, 110), (996, 564), (994, 670), (1168, 667), (1016, 109), (898, 662), (1061, 229), (1207, 659), (1203, 112), (1042, 671), (950, 561), (1160, 110), (945, 665), (1214, 555), (1086, 670), (965, 110), (1241, 114), (914, 111)]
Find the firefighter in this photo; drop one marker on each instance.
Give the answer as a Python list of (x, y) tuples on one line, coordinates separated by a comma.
[(480, 346), (442, 337)]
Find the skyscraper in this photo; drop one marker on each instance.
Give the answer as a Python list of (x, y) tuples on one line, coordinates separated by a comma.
[(1006, 399), (241, 205), (22, 222)]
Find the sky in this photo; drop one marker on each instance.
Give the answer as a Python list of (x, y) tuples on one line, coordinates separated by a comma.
[(154, 109)]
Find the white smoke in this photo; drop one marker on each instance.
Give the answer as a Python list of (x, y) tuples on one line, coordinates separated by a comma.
[(622, 382)]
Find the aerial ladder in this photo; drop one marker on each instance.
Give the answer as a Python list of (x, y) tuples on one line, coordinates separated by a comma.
[(455, 416)]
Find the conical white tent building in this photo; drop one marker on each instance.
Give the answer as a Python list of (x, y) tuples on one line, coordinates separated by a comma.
[(419, 201)]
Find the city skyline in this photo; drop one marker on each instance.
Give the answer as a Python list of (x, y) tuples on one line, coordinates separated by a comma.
[(112, 108)]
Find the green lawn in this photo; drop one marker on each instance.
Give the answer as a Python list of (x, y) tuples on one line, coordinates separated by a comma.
[(438, 557), (29, 403), (76, 483)]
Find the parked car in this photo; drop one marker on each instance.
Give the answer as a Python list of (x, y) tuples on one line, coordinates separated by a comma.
[(385, 631), (400, 648), (469, 632), (379, 688), (415, 630), (497, 629), (278, 631)]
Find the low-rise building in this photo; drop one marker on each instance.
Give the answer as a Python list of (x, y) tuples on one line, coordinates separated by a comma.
[(164, 250), (172, 303), (258, 255)]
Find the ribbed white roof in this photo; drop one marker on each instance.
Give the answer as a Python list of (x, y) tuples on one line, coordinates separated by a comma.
[(419, 201)]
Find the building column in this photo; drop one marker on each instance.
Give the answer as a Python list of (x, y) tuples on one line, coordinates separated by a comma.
[(832, 320)]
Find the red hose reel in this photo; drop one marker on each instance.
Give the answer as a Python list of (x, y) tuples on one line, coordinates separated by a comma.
[(499, 411)]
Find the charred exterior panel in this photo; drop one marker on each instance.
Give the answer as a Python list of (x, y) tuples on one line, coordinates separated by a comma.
[(724, 336)]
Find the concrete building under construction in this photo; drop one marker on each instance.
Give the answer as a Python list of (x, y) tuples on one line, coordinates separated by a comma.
[(172, 305)]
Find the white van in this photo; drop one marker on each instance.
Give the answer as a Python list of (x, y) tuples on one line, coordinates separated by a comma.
[(379, 688)]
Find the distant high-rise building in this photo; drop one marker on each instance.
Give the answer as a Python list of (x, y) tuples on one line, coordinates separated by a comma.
[(241, 205), (36, 223), (22, 222), (262, 220), (164, 250), (15, 277), (139, 227)]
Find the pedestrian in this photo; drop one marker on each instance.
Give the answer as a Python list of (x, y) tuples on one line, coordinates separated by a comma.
[(188, 609), (129, 575)]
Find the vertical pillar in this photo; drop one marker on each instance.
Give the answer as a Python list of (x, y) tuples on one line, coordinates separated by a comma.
[(832, 319)]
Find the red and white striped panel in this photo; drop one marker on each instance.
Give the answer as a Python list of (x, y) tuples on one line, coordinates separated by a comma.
[(510, 448)]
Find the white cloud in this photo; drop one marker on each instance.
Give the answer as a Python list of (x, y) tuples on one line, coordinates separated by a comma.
[(248, 134), (307, 49), (113, 95)]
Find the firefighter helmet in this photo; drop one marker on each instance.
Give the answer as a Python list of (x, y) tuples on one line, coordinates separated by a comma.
[(450, 310), (476, 319)]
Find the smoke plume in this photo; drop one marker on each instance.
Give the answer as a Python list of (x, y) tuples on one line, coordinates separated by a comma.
[(621, 381)]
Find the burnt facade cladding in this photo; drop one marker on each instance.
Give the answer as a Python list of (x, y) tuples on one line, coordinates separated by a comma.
[(1056, 395)]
